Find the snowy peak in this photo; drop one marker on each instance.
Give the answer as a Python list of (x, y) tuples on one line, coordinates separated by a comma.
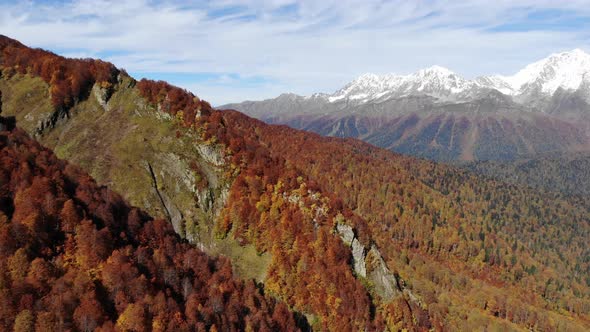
[(565, 70), (439, 81), (436, 81), (436, 71), (367, 86)]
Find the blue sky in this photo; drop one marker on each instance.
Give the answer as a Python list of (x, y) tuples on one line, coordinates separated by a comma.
[(234, 50)]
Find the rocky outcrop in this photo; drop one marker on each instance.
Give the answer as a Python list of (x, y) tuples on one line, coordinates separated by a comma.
[(210, 154), (51, 121), (358, 250), (386, 283), (102, 94), (368, 263), (174, 176)]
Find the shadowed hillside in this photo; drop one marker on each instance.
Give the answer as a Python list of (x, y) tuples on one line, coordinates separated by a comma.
[(568, 174)]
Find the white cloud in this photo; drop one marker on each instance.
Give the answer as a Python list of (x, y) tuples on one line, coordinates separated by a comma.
[(303, 46)]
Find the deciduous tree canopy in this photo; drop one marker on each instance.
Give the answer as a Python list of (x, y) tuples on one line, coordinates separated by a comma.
[(75, 256)]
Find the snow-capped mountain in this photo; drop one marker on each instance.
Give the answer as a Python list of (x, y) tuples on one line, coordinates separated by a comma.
[(436, 81), (435, 113), (566, 70)]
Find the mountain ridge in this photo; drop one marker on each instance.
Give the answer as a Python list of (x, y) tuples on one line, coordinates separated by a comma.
[(494, 117), (567, 70)]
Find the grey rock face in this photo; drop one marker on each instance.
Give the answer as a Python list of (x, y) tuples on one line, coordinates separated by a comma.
[(385, 282), (101, 94), (210, 154), (358, 250), (346, 233), (358, 254)]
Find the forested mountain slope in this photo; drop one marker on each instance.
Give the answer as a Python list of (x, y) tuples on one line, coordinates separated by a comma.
[(354, 237), (75, 256), (170, 153), (459, 240), (568, 174)]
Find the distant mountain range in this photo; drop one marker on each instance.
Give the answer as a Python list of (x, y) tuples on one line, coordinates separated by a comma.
[(437, 114)]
